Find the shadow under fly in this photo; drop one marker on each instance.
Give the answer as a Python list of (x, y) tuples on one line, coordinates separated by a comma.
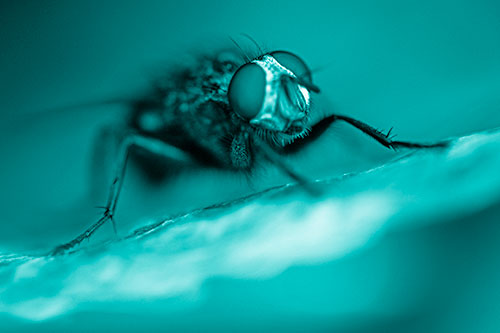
[(230, 111)]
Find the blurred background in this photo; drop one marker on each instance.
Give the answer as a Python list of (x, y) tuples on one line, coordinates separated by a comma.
[(429, 68)]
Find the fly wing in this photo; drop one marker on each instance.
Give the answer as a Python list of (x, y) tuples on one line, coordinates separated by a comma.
[(124, 105)]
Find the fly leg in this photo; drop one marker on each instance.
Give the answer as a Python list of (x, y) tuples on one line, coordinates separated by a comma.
[(384, 139), (319, 128), (104, 157), (128, 141), (272, 157)]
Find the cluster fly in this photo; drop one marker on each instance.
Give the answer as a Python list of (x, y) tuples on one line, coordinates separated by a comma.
[(228, 111)]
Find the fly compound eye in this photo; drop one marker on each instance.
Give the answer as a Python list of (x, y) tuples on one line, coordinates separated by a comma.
[(297, 66), (247, 90)]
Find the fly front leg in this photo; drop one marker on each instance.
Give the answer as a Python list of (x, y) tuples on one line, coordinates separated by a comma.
[(384, 139), (271, 156), (127, 141)]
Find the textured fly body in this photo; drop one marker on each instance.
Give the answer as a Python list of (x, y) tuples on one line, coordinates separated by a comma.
[(190, 110), (226, 112)]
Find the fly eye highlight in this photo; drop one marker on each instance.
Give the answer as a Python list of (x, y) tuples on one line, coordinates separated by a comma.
[(246, 91)]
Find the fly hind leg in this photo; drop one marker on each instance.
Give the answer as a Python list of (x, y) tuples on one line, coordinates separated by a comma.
[(127, 141)]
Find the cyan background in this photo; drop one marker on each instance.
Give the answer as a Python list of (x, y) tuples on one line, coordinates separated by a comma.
[(429, 68)]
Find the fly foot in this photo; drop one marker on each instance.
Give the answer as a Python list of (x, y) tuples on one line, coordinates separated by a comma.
[(70, 246)]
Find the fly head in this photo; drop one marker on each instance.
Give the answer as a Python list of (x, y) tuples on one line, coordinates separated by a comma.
[(273, 94)]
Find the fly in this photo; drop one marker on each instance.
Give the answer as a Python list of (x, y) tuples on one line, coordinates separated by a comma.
[(226, 113)]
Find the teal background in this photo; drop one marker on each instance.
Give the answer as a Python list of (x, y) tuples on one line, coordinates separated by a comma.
[(429, 68)]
